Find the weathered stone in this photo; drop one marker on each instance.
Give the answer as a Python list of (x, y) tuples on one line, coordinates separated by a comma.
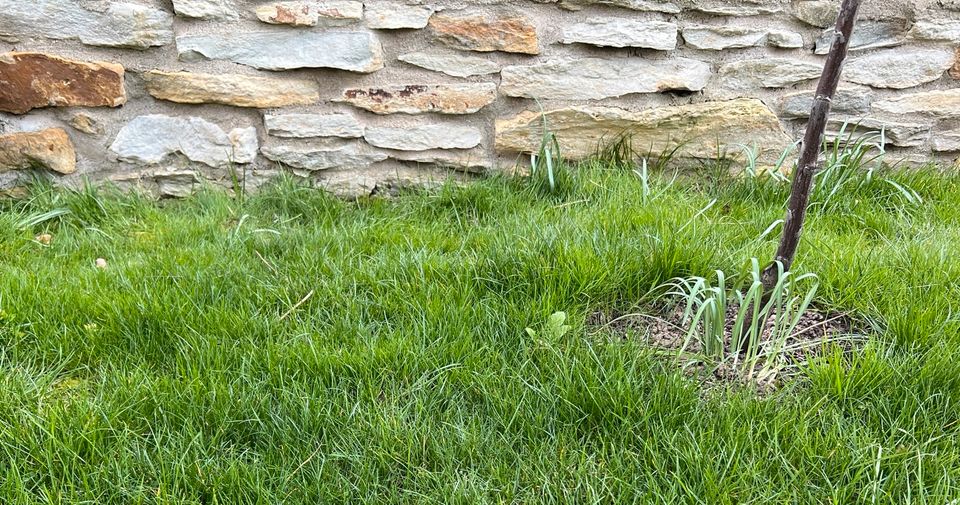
[(318, 155), (86, 124), (847, 100), (937, 29), (694, 130), (785, 39), (621, 32), (230, 89), (457, 65), (894, 133), (420, 98), (767, 73), (954, 71), (722, 37), (313, 125), (311, 13), (737, 8), (150, 139), (472, 160), (353, 51), (46, 150), (939, 104), (205, 9), (595, 78), (899, 68), (385, 15), (421, 138), (119, 25), (638, 5), (867, 35), (947, 140), (820, 13), (485, 34), (33, 80), (175, 184)]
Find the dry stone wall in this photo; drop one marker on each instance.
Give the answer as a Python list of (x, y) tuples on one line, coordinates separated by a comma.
[(365, 96)]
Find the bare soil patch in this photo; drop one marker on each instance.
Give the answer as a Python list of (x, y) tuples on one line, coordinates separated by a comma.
[(662, 329)]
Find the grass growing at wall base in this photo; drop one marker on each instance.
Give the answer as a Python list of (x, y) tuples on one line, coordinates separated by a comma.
[(195, 368)]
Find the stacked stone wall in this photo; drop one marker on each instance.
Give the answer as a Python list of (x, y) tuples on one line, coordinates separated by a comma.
[(360, 97)]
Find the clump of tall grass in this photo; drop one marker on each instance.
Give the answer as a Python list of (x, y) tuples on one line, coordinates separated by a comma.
[(717, 315)]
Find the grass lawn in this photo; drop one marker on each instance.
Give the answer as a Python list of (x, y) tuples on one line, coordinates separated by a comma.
[(291, 348)]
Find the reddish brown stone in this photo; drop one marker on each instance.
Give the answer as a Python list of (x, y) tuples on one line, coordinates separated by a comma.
[(47, 149), (33, 80), (485, 34)]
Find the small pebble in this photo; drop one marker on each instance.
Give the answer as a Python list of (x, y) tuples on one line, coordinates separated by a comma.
[(44, 238), (101, 263)]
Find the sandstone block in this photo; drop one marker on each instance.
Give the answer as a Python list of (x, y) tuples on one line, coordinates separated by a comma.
[(230, 89), (696, 129), (596, 78), (47, 150), (311, 13), (386, 15), (420, 98), (33, 80), (485, 34)]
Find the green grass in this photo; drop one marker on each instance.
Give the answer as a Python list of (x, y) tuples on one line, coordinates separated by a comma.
[(408, 376)]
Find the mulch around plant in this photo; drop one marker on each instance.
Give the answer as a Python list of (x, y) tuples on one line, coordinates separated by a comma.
[(663, 331)]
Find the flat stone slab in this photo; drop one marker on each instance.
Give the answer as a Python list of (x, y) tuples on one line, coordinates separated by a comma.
[(422, 138), (386, 15), (33, 80), (353, 51), (939, 104), (899, 68), (311, 13), (322, 155), (510, 34), (206, 9), (230, 89), (46, 149), (457, 65), (596, 78), (150, 139), (894, 133), (313, 125), (697, 129), (847, 100), (421, 98), (121, 24), (622, 32), (947, 30), (867, 35), (637, 5), (717, 38), (767, 73)]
